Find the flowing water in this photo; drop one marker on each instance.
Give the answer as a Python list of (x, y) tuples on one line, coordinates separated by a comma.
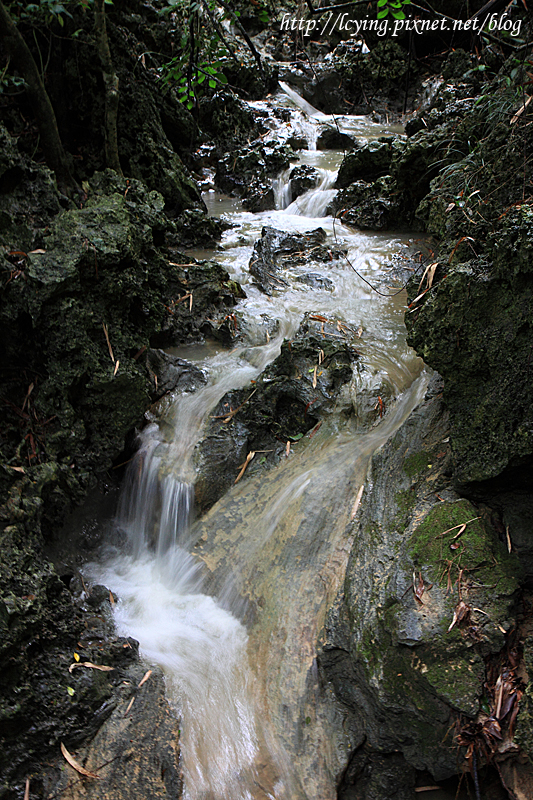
[(231, 606)]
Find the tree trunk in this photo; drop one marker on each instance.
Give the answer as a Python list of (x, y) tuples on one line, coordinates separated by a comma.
[(111, 88), (22, 59)]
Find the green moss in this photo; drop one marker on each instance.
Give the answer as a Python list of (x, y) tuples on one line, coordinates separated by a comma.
[(405, 501), (416, 463), (477, 551)]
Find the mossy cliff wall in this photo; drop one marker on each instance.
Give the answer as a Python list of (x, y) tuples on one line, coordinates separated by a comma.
[(405, 673)]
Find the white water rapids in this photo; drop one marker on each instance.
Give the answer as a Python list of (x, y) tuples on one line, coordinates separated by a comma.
[(255, 722)]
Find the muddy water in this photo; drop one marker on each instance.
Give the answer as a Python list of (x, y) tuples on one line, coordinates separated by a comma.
[(232, 606)]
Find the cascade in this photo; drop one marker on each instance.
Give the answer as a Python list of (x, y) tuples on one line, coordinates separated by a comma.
[(255, 721)]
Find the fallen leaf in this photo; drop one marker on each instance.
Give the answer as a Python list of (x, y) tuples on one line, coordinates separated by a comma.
[(74, 764), (27, 790), (111, 598), (426, 788), (461, 612), (249, 457), (129, 707), (314, 378), (430, 273), (287, 448), (521, 110), (104, 326), (145, 678), (90, 665), (509, 545), (37, 251), (116, 368), (76, 657), (357, 502), (418, 588)]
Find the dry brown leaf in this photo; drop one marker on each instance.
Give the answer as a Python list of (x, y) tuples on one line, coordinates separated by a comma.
[(127, 711), (116, 368), (449, 207), (104, 326), (521, 110), (509, 545), (430, 273), (39, 250), (426, 788), (320, 357), (90, 665), (418, 587), (17, 469), (357, 502), (314, 378), (287, 448), (249, 457), (461, 525), (27, 790), (74, 764), (145, 678), (461, 612), (111, 598)]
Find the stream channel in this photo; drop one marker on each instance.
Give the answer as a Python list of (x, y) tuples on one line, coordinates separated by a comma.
[(231, 605)]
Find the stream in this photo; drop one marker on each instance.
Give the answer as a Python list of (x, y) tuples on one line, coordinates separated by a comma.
[(231, 605)]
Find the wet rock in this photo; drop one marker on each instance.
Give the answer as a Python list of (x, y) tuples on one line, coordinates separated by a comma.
[(369, 206), (226, 118), (323, 91), (248, 173), (365, 163), (277, 250), (391, 649), (173, 374), (136, 750), (373, 776), (316, 281), (303, 178), (101, 274), (259, 196), (283, 405), (28, 196), (193, 228), (491, 305), (333, 139)]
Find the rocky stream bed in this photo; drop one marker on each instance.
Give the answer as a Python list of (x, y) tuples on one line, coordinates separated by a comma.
[(392, 562)]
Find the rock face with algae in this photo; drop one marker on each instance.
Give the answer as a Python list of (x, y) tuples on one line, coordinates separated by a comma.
[(79, 320), (429, 593)]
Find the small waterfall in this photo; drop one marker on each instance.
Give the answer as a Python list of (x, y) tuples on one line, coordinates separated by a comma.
[(277, 543), (315, 201), (282, 190)]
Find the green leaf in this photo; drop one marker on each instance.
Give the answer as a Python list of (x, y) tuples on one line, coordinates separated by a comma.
[(383, 13), (212, 83), (201, 78), (222, 78), (71, 691), (398, 14), (382, 2)]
